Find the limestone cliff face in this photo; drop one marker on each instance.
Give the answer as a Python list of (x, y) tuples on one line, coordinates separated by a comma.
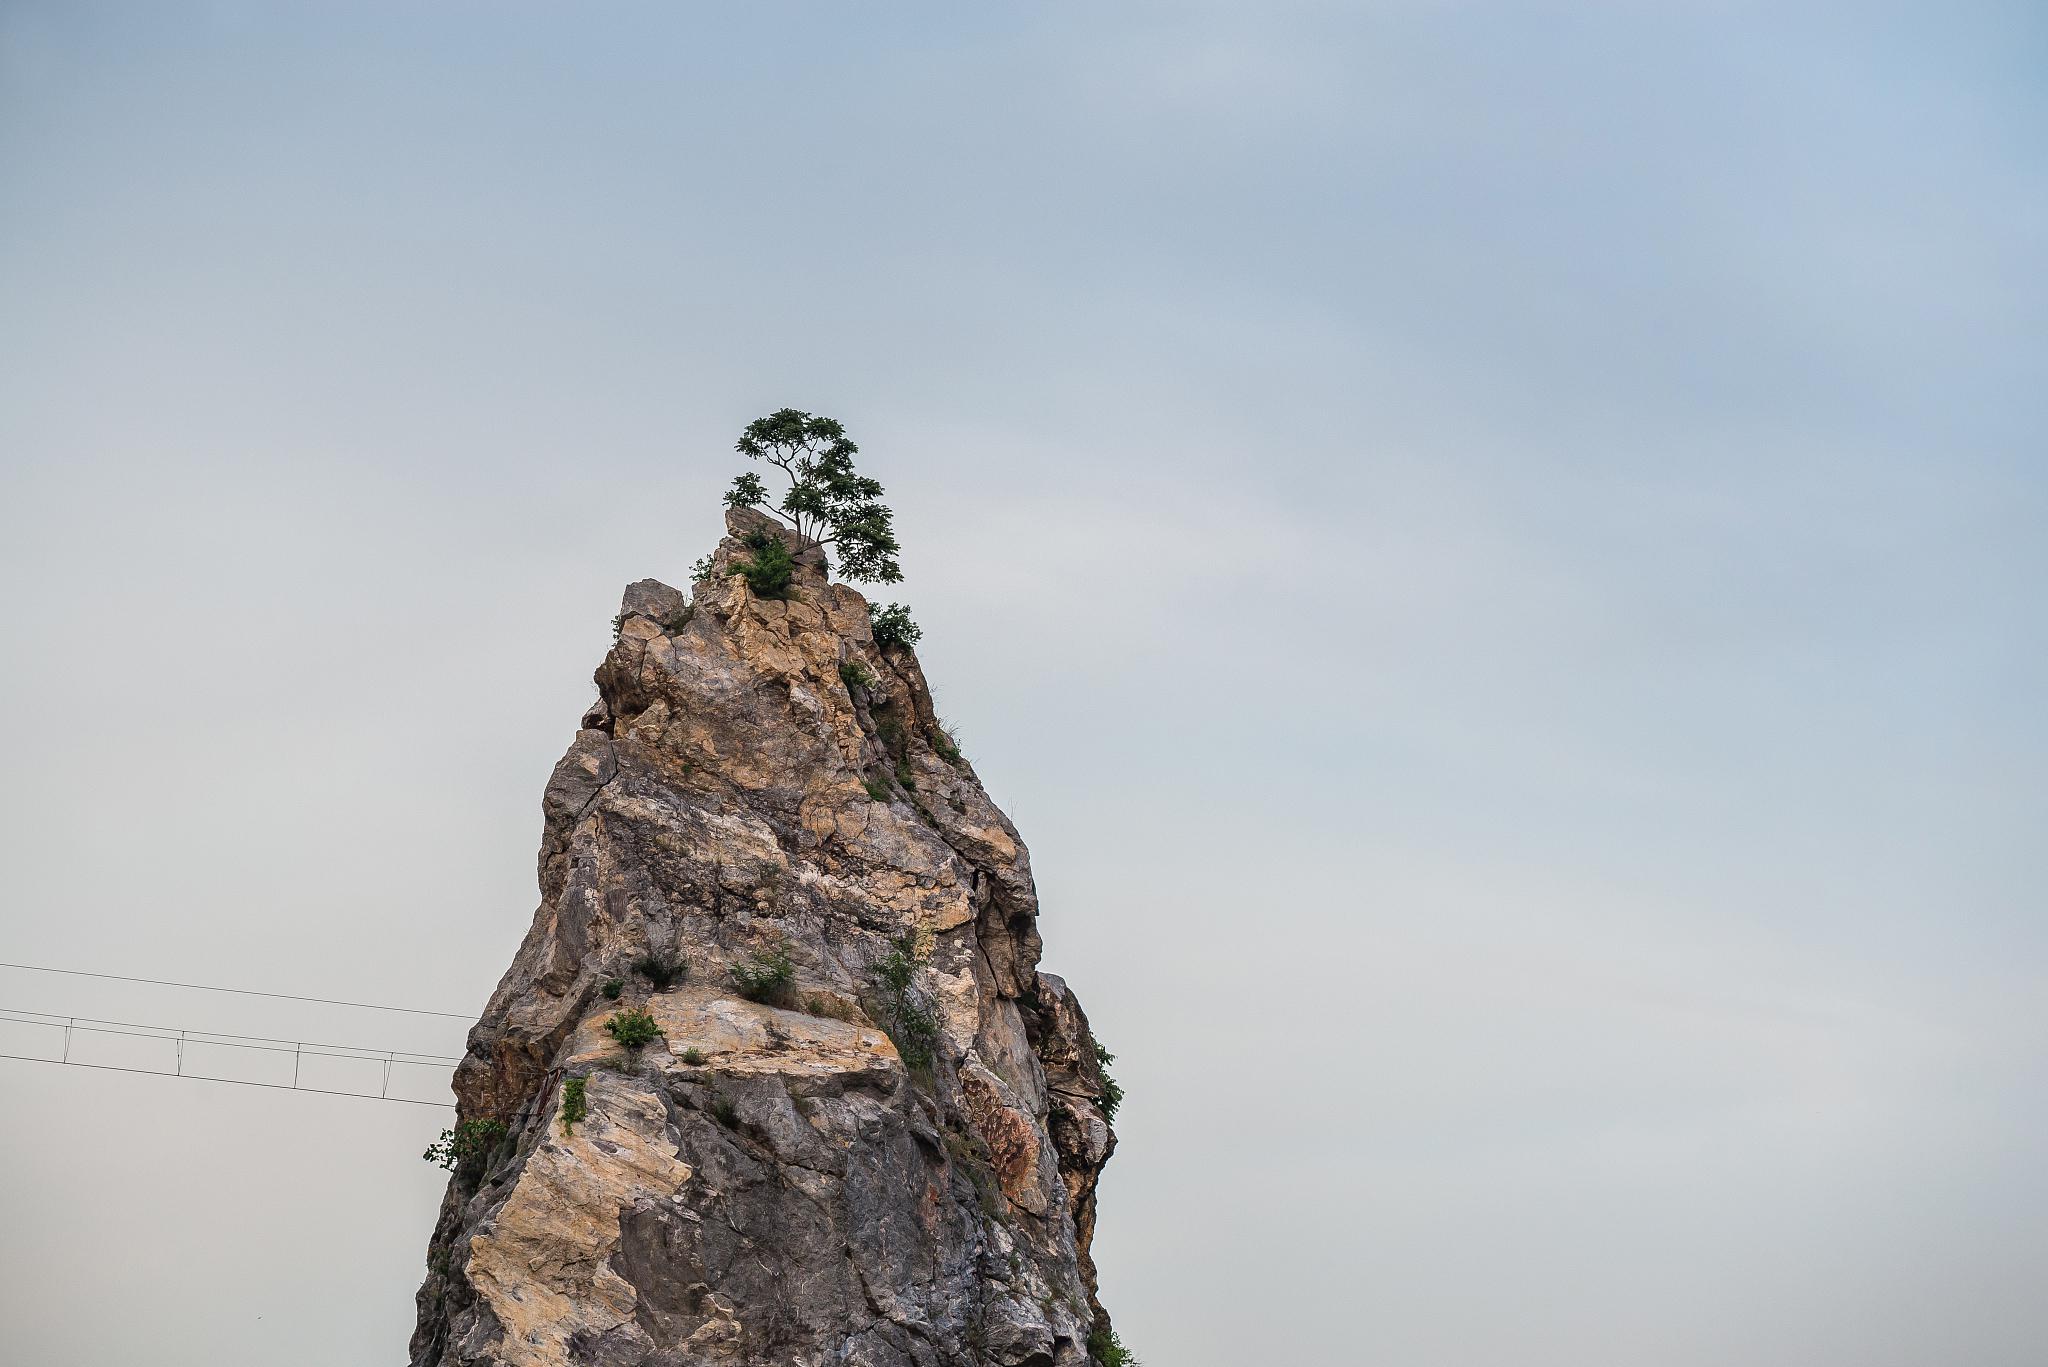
[(768, 1182)]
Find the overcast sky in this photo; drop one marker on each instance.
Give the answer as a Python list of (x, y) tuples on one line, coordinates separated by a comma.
[(1494, 552)]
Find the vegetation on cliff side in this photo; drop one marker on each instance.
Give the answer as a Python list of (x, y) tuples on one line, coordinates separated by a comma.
[(633, 1029), (827, 500), (466, 1149)]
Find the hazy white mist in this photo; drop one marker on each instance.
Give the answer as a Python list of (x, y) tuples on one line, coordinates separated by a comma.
[(1494, 552)]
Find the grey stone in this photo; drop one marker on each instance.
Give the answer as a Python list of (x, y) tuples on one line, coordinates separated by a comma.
[(652, 598)]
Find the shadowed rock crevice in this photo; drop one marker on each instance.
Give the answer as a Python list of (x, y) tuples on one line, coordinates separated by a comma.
[(767, 1182)]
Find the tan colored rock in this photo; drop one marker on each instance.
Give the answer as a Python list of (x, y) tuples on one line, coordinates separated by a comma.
[(769, 1183), (541, 1263)]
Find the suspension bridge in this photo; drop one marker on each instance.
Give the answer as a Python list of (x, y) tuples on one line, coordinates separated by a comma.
[(313, 1066)]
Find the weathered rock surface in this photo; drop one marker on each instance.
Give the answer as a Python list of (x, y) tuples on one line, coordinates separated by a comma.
[(770, 1183)]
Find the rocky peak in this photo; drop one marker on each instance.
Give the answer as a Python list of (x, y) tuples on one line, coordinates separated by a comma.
[(743, 524), (865, 1129)]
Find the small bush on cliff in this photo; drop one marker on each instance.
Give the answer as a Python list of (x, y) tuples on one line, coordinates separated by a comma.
[(612, 988), (827, 500), (913, 1026), (897, 969), (772, 567), (1112, 1094), (768, 977), (574, 1105), (893, 627), (878, 789), (466, 1149), (1108, 1350), (854, 675), (662, 970), (693, 1056), (633, 1029)]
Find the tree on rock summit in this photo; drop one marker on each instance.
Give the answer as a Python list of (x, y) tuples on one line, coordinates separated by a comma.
[(827, 501)]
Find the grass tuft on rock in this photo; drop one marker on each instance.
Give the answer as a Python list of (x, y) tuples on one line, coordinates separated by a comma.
[(854, 675), (663, 971), (768, 977)]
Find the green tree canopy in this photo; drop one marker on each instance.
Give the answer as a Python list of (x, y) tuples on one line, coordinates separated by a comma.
[(827, 501)]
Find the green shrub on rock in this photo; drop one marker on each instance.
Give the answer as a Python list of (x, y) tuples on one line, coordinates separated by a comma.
[(912, 1026), (770, 570), (893, 627), (768, 977), (663, 971), (467, 1148), (574, 1105), (633, 1029), (1108, 1350), (1112, 1094)]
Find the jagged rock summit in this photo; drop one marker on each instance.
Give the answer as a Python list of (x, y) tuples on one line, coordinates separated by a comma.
[(868, 1129)]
